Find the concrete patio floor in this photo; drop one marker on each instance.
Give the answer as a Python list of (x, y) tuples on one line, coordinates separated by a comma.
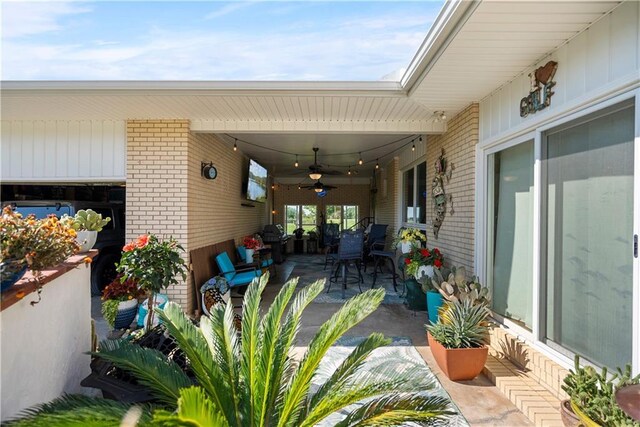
[(481, 403)]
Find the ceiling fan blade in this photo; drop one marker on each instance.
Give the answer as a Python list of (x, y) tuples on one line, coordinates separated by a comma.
[(329, 187), (331, 172)]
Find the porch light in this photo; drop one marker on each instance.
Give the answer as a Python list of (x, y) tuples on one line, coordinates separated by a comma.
[(349, 172), (318, 189), (315, 175)]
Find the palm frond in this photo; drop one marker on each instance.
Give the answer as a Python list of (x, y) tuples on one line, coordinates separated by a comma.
[(195, 409), (282, 372), (351, 313), (150, 367), (75, 410), (250, 331), (267, 351), (222, 337), (195, 347), (399, 408)]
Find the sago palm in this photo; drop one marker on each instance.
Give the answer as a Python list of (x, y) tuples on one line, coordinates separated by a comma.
[(251, 378)]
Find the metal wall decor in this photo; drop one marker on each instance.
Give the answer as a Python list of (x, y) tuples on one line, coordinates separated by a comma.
[(540, 92), (443, 172)]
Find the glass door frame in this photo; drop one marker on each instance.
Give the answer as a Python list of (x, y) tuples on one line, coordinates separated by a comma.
[(535, 336)]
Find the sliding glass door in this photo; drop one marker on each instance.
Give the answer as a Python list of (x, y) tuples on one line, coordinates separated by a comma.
[(587, 236)]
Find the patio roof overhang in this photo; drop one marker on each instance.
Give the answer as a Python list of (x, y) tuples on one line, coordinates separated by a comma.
[(472, 49)]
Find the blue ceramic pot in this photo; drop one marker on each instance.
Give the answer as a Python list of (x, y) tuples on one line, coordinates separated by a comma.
[(434, 302), (11, 273), (127, 311)]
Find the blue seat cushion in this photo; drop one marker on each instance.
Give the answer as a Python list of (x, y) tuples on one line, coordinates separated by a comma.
[(244, 278), (226, 266), (266, 263), (242, 253)]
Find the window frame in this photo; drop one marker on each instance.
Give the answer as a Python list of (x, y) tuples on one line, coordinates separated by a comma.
[(342, 214), (403, 208), (298, 221), (535, 337)]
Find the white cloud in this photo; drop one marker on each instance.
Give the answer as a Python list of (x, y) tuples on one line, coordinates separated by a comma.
[(29, 18), (228, 8), (343, 52)]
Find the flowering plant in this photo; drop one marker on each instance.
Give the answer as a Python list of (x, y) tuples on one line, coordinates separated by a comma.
[(153, 264), (410, 235), (114, 293), (251, 242), (39, 244), (421, 263)]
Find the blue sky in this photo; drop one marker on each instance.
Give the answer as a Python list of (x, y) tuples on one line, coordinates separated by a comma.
[(242, 40)]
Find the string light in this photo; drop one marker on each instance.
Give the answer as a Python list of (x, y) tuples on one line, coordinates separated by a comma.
[(349, 170), (273, 186), (413, 147), (235, 145), (296, 163), (360, 160), (377, 165), (299, 187)]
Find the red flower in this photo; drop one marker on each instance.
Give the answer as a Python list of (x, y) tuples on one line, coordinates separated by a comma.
[(437, 263), (142, 241), (407, 261), (425, 252), (129, 247), (437, 251)]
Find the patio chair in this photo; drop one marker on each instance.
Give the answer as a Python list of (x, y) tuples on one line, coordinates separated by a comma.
[(236, 276), (264, 262), (380, 258), (331, 240), (377, 234), (349, 253)]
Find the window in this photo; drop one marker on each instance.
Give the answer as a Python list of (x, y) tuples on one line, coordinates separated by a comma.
[(510, 232), (414, 194), (297, 216), (345, 215), (587, 228)]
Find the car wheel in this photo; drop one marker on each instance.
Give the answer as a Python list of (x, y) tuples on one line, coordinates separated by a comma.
[(103, 272)]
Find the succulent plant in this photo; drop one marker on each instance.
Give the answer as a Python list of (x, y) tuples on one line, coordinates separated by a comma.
[(89, 220), (457, 288)]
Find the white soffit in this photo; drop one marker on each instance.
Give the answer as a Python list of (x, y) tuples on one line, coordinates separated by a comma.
[(380, 107), (500, 40)]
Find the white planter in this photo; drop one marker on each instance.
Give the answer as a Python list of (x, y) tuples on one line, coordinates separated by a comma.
[(405, 247), (249, 253), (86, 240)]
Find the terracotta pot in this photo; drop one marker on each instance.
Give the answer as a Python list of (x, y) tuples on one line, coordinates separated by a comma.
[(459, 364), (569, 418)]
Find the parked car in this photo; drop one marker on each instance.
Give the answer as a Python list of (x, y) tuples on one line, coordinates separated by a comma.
[(109, 242)]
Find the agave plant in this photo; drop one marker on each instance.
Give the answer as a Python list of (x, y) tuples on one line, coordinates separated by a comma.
[(461, 324), (250, 378)]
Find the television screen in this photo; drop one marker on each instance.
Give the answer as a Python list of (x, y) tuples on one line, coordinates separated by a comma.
[(257, 182)]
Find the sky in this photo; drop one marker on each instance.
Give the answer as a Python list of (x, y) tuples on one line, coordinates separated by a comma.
[(212, 40)]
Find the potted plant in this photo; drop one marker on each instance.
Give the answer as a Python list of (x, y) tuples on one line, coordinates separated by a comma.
[(87, 223), (32, 243), (410, 238), (421, 264), (120, 302), (154, 264), (456, 287), (251, 244), (592, 396), (457, 340)]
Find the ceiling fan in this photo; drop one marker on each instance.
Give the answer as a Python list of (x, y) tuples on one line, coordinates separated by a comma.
[(316, 170), (318, 187)]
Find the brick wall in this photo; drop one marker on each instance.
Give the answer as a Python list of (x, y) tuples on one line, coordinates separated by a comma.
[(166, 194), (157, 175), (456, 236), (387, 200), (345, 194)]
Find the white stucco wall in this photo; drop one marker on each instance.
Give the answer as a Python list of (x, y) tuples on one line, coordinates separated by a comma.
[(43, 347)]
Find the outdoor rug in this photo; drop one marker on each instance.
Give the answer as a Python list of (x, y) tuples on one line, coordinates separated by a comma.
[(406, 357), (311, 268)]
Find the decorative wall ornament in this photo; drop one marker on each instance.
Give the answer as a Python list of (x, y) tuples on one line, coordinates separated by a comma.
[(540, 92), (443, 172)]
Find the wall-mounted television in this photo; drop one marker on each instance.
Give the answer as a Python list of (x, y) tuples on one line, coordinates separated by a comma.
[(257, 182)]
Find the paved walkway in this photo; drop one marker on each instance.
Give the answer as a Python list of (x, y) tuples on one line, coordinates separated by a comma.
[(479, 400)]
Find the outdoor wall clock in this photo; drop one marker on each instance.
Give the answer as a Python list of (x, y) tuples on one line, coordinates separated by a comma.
[(209, 171)]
